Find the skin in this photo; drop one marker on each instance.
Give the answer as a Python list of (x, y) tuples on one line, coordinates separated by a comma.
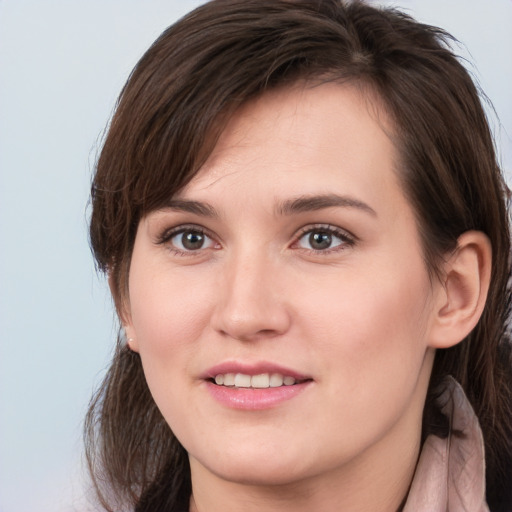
[(359, 318)]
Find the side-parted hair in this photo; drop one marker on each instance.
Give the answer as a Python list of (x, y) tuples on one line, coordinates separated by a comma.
[(168, 118)]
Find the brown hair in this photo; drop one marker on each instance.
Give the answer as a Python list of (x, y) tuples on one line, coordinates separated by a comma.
[(168, 118)]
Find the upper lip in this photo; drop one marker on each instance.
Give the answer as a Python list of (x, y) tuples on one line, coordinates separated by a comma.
[(252, 369)]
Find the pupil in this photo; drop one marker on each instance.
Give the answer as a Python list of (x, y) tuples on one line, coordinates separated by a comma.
[(320, 240), (192, 240)]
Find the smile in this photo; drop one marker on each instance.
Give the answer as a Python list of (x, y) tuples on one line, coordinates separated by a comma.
[(257, 386), (261, 381)]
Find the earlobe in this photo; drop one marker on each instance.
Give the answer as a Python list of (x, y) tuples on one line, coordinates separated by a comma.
[(465, 283), (123, 312), (129, 336), (131, 342)]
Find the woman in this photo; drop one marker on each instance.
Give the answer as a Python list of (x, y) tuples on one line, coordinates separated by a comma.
[(303, 223)]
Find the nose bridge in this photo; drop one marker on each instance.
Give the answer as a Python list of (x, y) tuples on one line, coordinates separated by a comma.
[(250, 303)]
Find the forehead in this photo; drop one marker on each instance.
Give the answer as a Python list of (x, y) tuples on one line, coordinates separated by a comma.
[(303, 139)]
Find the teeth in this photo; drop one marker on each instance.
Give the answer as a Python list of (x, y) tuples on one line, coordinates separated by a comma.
[(229, 379), (261, 381), (276, 380), (242, 381)]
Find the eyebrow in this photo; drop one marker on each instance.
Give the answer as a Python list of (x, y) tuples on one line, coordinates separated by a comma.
[(289, 207), (195, 207), (319, 202)]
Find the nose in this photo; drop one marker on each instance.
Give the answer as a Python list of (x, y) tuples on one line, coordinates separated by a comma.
[(251, 303)]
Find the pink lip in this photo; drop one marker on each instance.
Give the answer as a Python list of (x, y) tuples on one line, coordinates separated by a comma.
[(254, 399), (249, 398)]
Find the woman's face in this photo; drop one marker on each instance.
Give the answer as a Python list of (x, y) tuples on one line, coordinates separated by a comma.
[(290, 271)]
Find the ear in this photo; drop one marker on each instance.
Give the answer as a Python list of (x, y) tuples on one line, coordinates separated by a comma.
[(123, 312), (462, 292)]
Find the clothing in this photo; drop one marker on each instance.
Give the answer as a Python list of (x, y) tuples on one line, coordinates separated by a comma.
[(450, 475)]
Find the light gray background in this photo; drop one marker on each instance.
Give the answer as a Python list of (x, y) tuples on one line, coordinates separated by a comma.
[(62, 64)]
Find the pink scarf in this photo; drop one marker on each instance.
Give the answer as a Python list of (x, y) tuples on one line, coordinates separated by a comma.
[(450, 475)]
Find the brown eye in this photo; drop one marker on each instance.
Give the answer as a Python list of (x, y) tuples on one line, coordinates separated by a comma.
[(188, 240), (192, 240)]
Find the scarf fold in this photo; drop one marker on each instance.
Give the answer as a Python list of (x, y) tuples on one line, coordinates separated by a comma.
[(450, 475)]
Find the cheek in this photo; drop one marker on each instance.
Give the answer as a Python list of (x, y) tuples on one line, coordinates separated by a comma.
[(168, 309), (169, 313), (372, 324), (372, 344)]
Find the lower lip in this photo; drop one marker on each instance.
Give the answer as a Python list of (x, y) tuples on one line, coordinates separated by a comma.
[(254, 399)]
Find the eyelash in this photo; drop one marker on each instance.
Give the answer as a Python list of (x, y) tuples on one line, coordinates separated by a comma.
[(166, 237), (346, 239)]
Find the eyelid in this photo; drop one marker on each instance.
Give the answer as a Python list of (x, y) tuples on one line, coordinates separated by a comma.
[(166, 235), (347, 237)]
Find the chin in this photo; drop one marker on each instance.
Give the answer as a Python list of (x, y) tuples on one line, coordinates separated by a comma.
[(260, 475), (263, 468)]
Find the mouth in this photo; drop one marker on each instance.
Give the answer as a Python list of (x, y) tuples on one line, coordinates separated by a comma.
[(254, 387), (260, 381)]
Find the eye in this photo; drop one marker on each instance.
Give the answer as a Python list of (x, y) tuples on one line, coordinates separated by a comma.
[(324, 239), (187, 239)]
